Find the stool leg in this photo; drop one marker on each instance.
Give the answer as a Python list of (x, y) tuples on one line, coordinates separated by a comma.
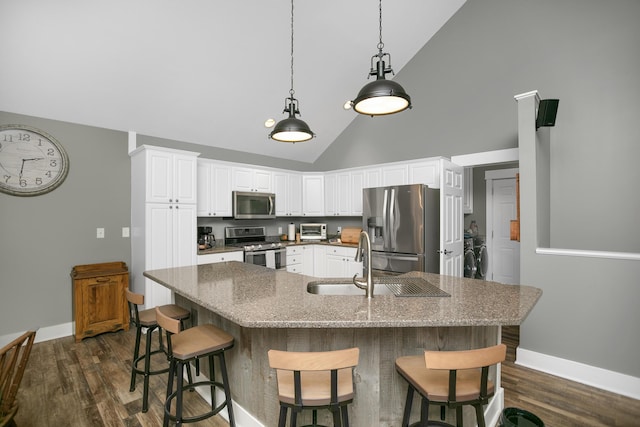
[(479, 416), (424, 412), (179, 394), (167, 404), (136, 352), (407, 407), (459, 416), (345, 416), (294, 417), (147, 364), (227, 389), (282, 420), (212, 375), (336, 417)]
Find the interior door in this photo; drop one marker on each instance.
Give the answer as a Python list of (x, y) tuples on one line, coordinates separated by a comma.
[(451, 219), (504, 253)]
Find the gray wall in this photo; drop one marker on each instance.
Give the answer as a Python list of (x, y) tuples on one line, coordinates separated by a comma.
[(43, 237)]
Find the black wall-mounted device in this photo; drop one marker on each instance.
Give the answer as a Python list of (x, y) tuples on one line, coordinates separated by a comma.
[(547, 110)]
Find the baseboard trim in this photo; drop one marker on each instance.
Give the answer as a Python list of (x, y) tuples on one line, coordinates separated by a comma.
[(44, 334), (604, 379)]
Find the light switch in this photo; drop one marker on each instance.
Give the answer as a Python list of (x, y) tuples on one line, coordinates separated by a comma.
[(125, 231), (100, 233)]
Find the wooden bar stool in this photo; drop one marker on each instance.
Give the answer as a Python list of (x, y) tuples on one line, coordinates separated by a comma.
[(147, 319), (194, 343), (450, 379), (314, 380)]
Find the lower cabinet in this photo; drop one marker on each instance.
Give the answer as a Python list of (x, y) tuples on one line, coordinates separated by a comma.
[(339, 262), (300, 259), (323, 261), (99, 300), (221, 257)]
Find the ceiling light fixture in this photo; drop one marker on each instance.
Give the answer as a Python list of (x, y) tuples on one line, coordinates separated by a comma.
[(382, 96), (291, 129)]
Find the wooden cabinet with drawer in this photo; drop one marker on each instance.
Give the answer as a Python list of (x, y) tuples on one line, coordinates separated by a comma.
[(99, 300)]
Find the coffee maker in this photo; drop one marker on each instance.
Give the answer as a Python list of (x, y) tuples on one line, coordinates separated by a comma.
[(206, 239)]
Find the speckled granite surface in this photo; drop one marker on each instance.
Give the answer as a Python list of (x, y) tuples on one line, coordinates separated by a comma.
[(257, 297)]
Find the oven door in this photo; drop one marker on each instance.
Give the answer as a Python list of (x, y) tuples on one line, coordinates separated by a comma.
[(271, 258)]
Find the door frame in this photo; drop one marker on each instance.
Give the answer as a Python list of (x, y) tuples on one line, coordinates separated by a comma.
[(490, 176)]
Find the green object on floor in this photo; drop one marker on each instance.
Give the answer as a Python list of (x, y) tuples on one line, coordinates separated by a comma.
[(515, 417)]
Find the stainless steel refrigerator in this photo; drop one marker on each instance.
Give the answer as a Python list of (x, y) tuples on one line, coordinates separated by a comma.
[(404, 227)]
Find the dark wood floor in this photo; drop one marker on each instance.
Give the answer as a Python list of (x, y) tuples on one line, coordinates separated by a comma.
[(87, 384)]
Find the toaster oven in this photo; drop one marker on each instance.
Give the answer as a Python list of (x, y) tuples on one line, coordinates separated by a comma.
[(313, 231)]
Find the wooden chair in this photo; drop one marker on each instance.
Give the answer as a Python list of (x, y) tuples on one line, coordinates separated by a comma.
[(314, 380), (147, 319), (13, 361), (184, 346), (450, 379)]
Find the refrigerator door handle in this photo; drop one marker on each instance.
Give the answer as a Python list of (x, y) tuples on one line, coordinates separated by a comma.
[(385, 222), (392, 219)]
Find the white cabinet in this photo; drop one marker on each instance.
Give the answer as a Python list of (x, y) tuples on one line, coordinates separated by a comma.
[(163, 216), (288, 190), (300, 259), (170, 176), (396, 174), (312, 195), (339, 262), (373, 177), (214, 189), (251, 179), (425, 172), (343, 193), (221, 257), (468, 191), (319, 260)]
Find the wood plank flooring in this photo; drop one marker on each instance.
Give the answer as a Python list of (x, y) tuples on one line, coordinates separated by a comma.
[(87, 384)]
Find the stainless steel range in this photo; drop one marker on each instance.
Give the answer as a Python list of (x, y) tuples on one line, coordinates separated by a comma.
[(257, 250)]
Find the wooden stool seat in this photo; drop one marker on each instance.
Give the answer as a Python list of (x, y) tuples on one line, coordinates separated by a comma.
[(314, 380), (147, 319), (184, 346), (450, 379)]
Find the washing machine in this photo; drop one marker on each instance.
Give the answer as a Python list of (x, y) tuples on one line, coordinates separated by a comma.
[(482, 257), (470, 266)]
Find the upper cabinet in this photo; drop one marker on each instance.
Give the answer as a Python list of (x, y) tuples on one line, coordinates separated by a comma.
[(170, 175), (395, 174), (288, 189), (312, 195), (343, 193), (252, 179), (214, 188), (425, 172)]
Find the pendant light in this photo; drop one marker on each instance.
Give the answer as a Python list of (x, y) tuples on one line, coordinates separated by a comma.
[(382, 96), (291, 129)]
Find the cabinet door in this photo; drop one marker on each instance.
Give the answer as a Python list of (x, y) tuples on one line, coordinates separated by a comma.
[(184, 179), (159, 179), (294, 199), (335, 266), (101, 304), (308, 260), (280, 188), (373, 177), (312, 195), (330, 194), (184, 228), (395, 175), (319, 260), (221, 190), (357, 184), (205, 190), (159, 250), (343, 194), (427, 173), (262, 180), (247, 179)]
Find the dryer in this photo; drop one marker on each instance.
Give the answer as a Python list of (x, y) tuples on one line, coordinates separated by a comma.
[(482, 257), (470, 266)]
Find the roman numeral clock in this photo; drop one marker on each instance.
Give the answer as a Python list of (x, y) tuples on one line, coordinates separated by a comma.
[(32, 162)]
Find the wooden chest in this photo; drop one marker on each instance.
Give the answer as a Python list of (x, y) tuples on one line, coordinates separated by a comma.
[(99, 300)]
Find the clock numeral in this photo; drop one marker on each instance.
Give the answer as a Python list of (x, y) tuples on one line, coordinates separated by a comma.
[(38, 181), (23, 183), (53, 163), (24, 137), (48, 174), (51, 152), (8, 138), (7, 178)]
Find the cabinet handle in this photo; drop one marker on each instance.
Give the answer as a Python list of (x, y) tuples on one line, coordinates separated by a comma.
[(170, 200), (177, 201)]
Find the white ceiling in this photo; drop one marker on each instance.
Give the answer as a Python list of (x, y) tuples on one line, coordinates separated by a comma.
[(208, 72)]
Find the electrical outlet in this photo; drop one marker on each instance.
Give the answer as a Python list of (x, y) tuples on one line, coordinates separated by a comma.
[(100, 233), (279, 230), (125, 231), (339, 229)]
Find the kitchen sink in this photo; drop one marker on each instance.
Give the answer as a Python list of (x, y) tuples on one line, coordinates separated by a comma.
[(398, 286)]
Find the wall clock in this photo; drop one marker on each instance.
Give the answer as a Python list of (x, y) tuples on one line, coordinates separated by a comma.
[(32, 162)]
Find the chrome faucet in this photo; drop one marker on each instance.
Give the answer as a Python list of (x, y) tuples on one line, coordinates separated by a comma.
[(367, 283)]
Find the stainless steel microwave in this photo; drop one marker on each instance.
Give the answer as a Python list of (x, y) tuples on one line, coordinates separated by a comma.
[(313, 231), (250, 205)]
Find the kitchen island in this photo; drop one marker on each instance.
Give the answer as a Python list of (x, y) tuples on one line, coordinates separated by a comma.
[(264, 309)]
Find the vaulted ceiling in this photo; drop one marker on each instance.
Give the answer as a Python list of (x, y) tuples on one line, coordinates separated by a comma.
[(208, 72)]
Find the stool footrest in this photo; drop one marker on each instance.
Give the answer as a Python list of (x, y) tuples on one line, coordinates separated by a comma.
[(156, 372), (196, 418)]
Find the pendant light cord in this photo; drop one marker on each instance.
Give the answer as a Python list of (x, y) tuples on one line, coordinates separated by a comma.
[(291, 91), (380, 45)]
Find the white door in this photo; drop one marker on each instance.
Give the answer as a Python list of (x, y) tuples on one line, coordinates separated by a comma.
[(503, 253), (159, 252), (451, 218)]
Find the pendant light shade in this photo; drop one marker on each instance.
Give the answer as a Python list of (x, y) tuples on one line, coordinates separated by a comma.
[(291, 129), (382, 96)]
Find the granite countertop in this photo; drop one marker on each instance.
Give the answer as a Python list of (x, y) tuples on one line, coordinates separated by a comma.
[(257, 297), (221, 248)]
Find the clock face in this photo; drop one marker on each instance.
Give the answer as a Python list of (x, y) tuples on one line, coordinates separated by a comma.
[(31, 161)]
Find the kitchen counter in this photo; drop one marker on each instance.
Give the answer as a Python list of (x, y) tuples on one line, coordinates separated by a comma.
[(264, 309), (254, 296), (221, 248)]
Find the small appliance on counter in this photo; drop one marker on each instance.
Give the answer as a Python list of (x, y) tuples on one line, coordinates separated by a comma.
[(313, 231), (206, 239)]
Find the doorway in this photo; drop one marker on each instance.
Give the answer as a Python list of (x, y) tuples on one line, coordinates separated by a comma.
[(503, 253)]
